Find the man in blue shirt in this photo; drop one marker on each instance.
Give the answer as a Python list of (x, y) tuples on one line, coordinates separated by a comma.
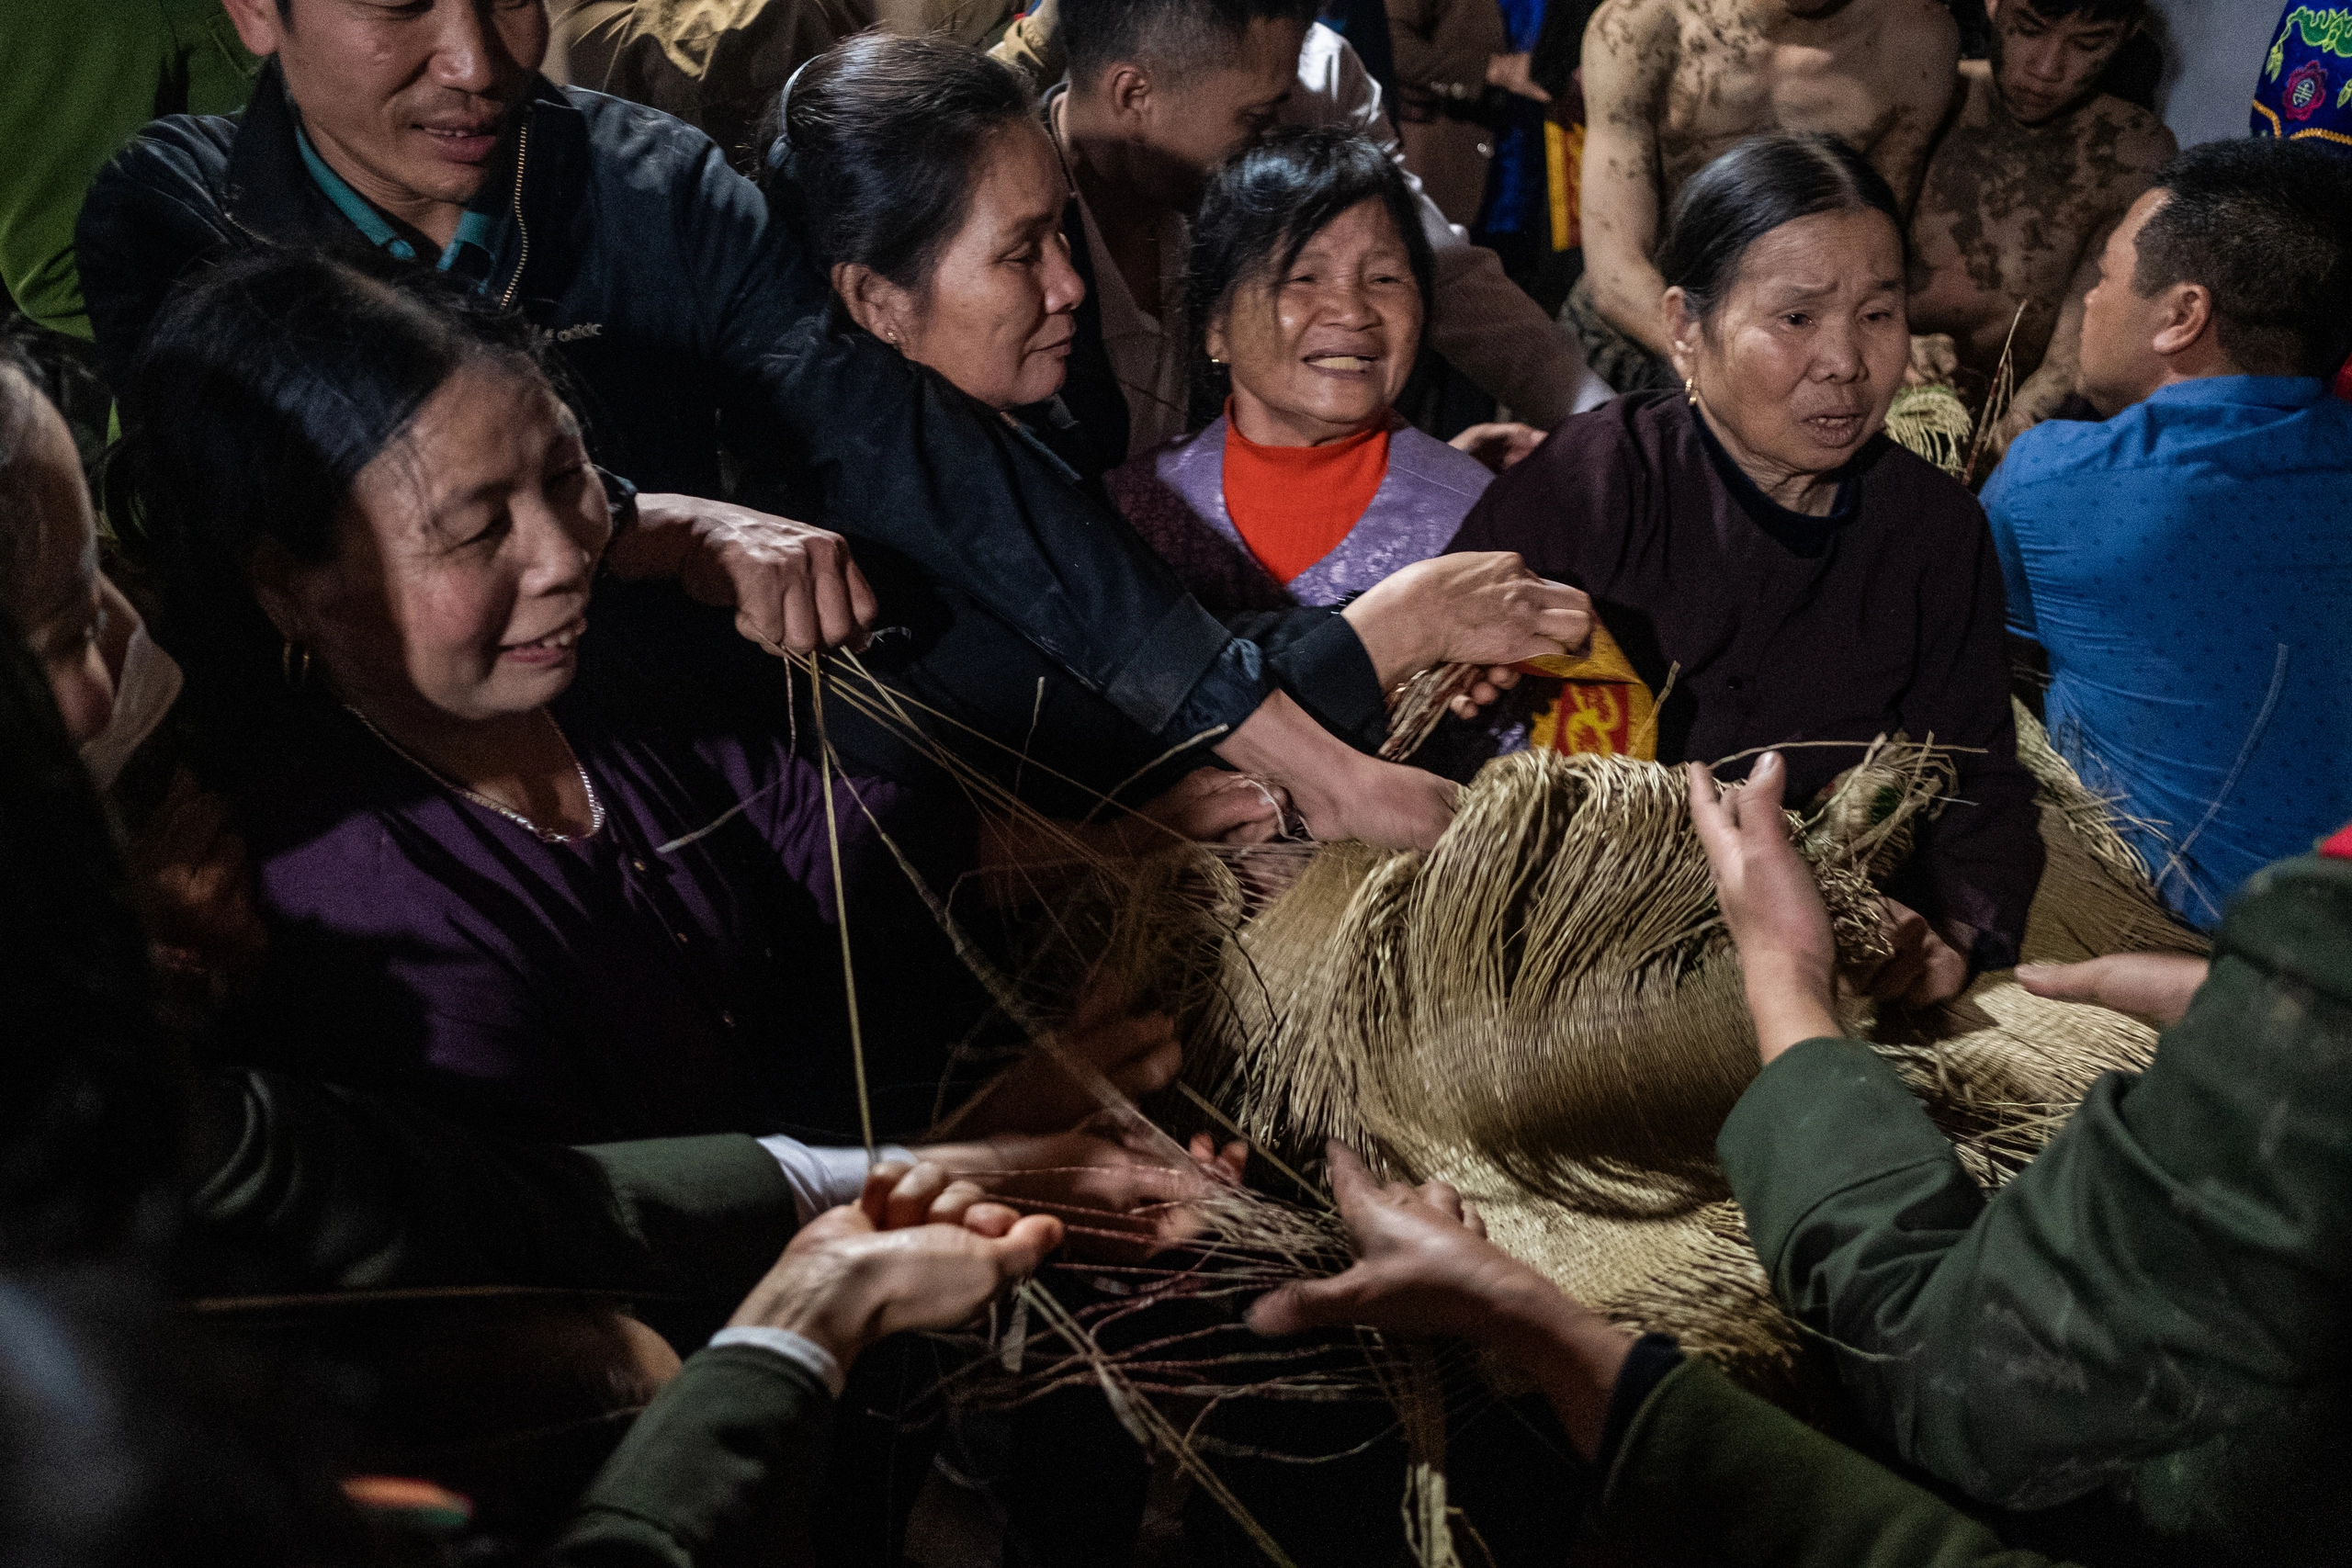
[(2186, 563)]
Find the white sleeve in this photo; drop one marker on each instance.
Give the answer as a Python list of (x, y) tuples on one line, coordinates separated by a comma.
[(1482, 323), (825, 1178), (795, 1347)]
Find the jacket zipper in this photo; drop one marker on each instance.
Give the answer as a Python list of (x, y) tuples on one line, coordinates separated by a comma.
[(522, 232)]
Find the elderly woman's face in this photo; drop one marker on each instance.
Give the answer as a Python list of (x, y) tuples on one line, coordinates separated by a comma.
[(1000, 315), (461, 582), (1321, 351), (1803, 354)]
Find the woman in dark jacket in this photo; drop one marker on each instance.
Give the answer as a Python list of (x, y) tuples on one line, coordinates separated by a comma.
[(1754, 535)]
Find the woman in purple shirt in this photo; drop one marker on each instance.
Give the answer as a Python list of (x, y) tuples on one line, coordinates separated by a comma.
[(570, 885)]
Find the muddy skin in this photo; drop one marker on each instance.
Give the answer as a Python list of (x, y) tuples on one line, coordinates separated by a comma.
[(2014, 214), (1721, 70), (1671, 85)]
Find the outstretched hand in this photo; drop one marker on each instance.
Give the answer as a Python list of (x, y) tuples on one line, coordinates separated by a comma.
[(793, 587), (2157, 986), (1124, 1197), (1475, 607), (868, 1270), (1424, 1266), (1336, 790), (1770, 902)]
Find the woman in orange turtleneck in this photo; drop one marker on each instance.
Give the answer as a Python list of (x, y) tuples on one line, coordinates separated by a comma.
[(1308, 285)]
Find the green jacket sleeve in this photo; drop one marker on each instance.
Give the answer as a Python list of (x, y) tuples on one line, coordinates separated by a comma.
[(88, 75), (2167, 1273), (722, 1462), (334, 1189), (1710, 1474)]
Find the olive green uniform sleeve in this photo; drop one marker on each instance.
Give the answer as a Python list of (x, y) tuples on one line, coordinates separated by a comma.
[(2167, 1279), (83, 76), (335, 1189), (1710, 1474), (721, 1468)]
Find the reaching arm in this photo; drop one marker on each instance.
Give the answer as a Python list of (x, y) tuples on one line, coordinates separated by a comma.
[(1698, 1471), (898, 456), (1628, 59), (2165, 1270), (2038, 396), (342, 1190), (2141, 146), (1769, 1490), (727, 1460)]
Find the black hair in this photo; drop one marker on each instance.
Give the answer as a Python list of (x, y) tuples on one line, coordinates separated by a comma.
[(878, 141), (1267, 202), (260, 393), (2265, 225), (1759, 185), (1179, 37), (2094, 11)]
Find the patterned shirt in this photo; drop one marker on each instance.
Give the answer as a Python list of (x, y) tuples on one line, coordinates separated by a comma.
[(2187, 565)]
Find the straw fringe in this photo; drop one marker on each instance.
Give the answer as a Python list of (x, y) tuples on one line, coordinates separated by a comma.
[(1545, 1012)]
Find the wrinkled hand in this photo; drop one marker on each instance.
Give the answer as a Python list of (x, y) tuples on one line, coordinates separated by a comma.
[(1923, 969), (1770, 902), (2157, 986), (1397, 807), (792, 587), (1425, 1268), (853, 1275), (1935, 360), (1211, 806), (1478, 607), (1498, 447), (1125, 1200), (196, 886), (1337, 790)]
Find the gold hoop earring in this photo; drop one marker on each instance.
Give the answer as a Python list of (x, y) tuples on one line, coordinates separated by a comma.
[(1690, 390), (295, 669)]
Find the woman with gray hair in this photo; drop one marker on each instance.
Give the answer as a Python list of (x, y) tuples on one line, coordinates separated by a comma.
[(1754, 540)]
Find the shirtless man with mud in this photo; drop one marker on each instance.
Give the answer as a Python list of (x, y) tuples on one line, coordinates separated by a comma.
[(2032, 171), (1668, 84)]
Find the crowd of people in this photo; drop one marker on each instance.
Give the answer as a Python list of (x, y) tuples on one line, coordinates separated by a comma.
[(391, 923)]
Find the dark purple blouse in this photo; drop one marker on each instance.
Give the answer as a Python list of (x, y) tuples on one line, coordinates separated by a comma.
[(1884, 617), (678, 973)]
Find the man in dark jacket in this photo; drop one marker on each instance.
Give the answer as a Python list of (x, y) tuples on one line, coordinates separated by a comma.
[(691, 322)]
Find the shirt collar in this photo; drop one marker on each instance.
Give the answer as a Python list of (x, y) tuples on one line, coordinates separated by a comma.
[(1803, 532), (471, 253), (2255, 392)]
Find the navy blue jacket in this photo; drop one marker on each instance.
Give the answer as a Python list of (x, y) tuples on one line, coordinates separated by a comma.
[(688, 321)]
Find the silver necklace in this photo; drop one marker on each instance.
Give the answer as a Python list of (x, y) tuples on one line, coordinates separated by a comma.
[(595, 805)]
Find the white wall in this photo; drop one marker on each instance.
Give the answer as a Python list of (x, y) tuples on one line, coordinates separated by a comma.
[(2212, 50)]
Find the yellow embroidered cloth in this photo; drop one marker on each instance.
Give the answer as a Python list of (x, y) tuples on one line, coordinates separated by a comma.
[(1602, 707)]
